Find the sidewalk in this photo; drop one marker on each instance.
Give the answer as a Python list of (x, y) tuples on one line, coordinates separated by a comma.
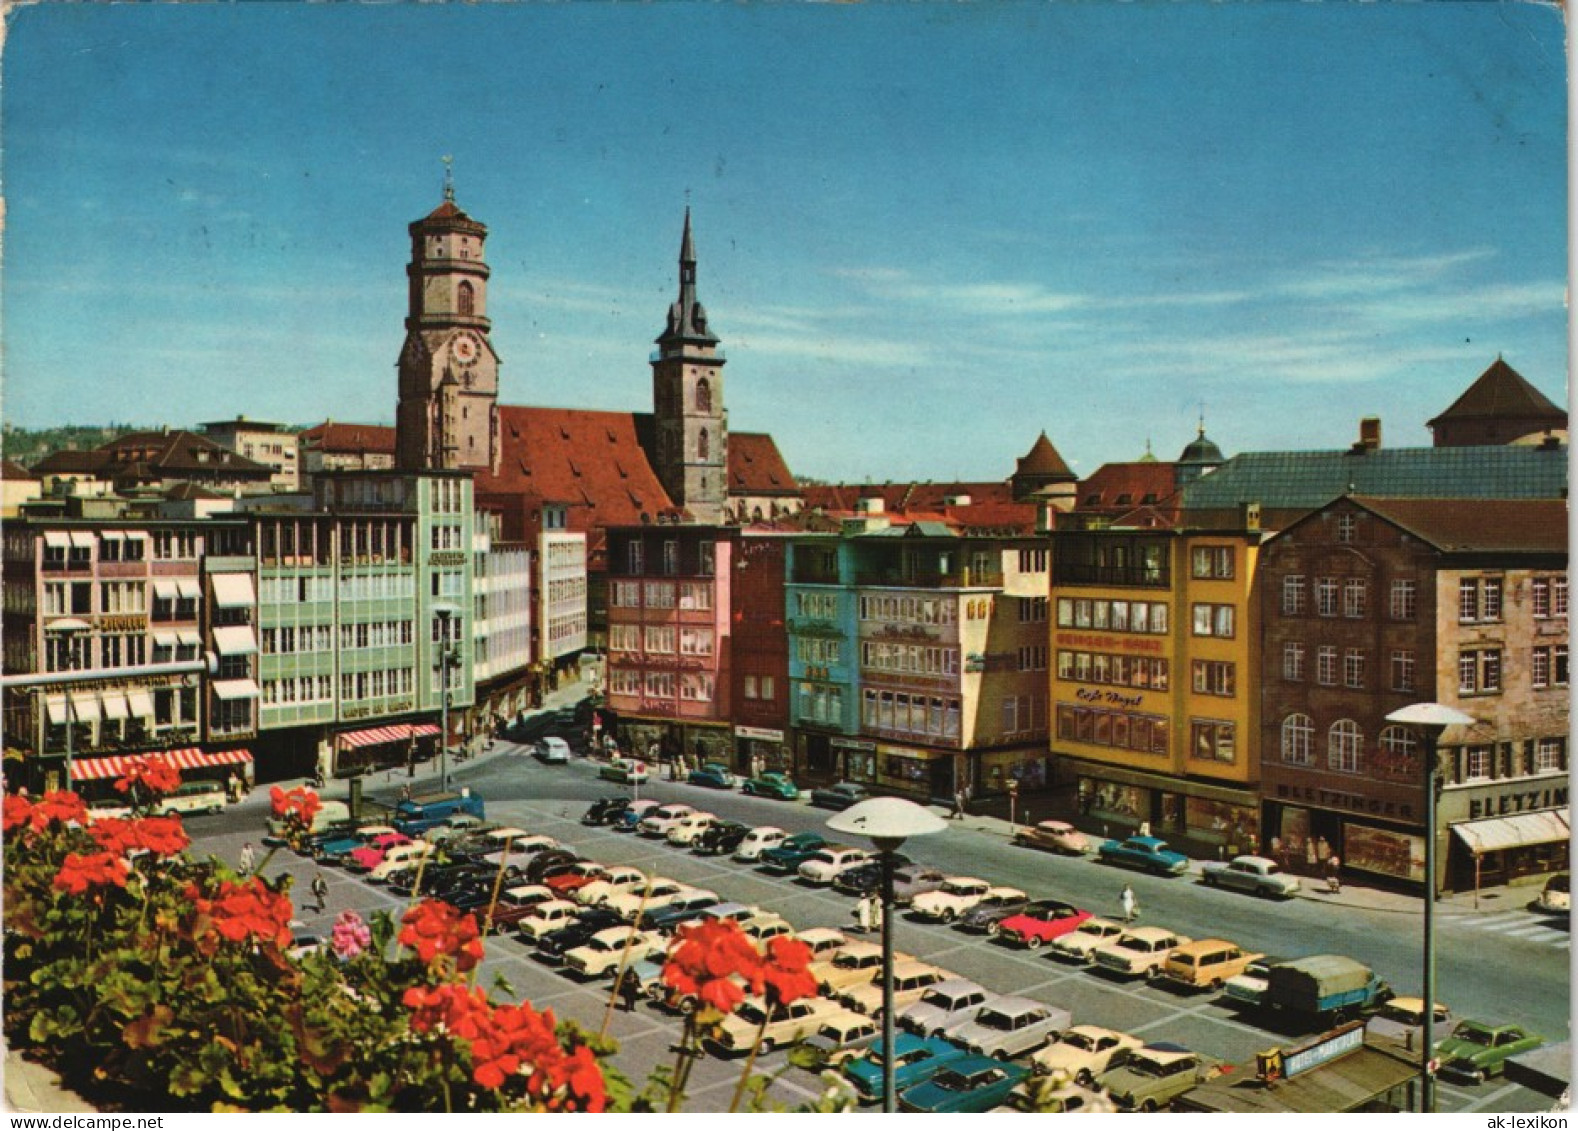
[(32, 1088)]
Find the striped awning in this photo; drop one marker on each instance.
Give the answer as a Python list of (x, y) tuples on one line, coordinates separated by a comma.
[(188, 758), (376, 736), (424, 730)]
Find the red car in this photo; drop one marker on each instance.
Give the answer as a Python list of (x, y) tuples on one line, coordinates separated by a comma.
[(575, 878), (1041, 922), (369, 856)]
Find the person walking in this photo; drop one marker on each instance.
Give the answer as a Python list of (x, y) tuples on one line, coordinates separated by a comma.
[(248, 858), (1334, 874), (1131, 905), (320, 892), (863, 914), (629, 990), (958, 805)]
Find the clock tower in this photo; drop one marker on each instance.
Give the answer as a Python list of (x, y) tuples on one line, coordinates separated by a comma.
[(448, 417), (687, 394)]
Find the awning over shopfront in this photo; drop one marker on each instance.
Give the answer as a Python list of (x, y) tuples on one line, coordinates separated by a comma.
[(235, 640), (141, 703), (189, 587), (377, 736), (233, 590), (188, 758), (1348, 1083), (424, 730), (1517, 831), (165, 590), (84, 707), (114, 705), (236, 688), (58, 539)]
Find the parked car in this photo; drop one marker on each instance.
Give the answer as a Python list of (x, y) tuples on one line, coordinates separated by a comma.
[(757, 841), (772, 784), (337, 850), (764, 926), (1256, 875), (1476, 1051), (1084, 1052), (1078, 943), (970, 1084), (915, 1059), (911, 980), (1248, 990), (1059, 836), (551, 750), (823, 942), (513, 905), (943, 1007), (658, 822), (659, 893), (575, 877), (828, 862), (1556, 898), (680, 908), (1206, 964), (995, 906), (1011, 1026), (909, 881), (954, 897), (1137, 953), (605, 811), (628, 770), (609, 949), (547, 917), (1045, 1095), (1147, 853), (841, 1037), (858, 962), (713, 775), (688, 829), (400, 856), (630, 819), (1151, 1077), (1403, 1019), (370, 853), (192, 797), (785, 1024), (788, 854), (1041, 923), (553, 945), (720, 839), (619, 879), (840, 796), (542, 867)]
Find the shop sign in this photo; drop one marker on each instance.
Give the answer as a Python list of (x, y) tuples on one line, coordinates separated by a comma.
[(447, 558), (1517, 801), (1349, 802), (1288, 1063), (853, 744), (760, 733), (1111, 643), (1113, 698), (123, 624)]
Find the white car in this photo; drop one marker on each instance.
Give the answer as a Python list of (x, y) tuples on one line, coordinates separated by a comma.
[(552, 751), (1083, 1052), (1078, 943), (786, 1024), (549, 916), (823, 941), (757, 841), (943, 1007), (398, 857), (658, 822), (604, 951), (956, 896), (761, 928), (620, 879), (1140, 952), (831, 862), (520, 849), (688, 828), (911, 980), (630, 902), (1010, 1027)]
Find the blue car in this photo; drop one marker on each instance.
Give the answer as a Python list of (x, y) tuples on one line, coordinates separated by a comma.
[(969, 1084), (713, 776), (789, 854), (1147, 853), (914, 1061)]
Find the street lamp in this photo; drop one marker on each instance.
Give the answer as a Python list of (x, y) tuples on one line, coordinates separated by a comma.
[(888, 822), (68, 629), (444, 612), (1432, 719)]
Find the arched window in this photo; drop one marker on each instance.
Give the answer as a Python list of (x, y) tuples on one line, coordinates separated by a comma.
[(1401, 745), (703, 395), (1298, 734), (466, 298), (703, 444), (1342, 746)]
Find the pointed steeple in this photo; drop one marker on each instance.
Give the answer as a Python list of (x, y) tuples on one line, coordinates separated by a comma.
[(687, 318)]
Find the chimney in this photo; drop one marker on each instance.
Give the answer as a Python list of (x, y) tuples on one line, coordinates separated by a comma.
[(1249, 513), (1369, 434), (870, 504)]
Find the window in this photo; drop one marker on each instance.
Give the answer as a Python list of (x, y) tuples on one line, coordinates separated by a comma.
[(1212, 741), (1479, 599), (1326, 666), (1559, 597), (637, 560), (703, 395), (1399, 745), (1213, 620), (1405, 600), (1479, 671), (1490, 599), (465, 299), (1540, 597), (1548, 755), (670, 557), (1293, 663), (1326, 596), (1402, 670), (1476, 763), (1355, 592), (1343, 742), (1353, 668), (627, 595), (1212, 562), (1298, 736), (1467, 599), (1214, 677), (1346, 525), (1293, 595)]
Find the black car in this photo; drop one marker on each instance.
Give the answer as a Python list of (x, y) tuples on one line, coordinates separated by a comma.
[(866, 879), (840, 796), (434, 877), (549, 863), (605, 811), (983, 916), (552, 946), (720, 839), (690, 906)]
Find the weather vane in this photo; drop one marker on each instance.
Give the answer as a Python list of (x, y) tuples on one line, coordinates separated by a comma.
[(449, 178)]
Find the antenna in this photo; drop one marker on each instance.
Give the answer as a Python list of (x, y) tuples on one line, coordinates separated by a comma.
[(449, 178)]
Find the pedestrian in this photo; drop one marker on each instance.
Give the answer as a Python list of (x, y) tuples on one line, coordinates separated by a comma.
[(248, 858), (1145, 828), (958, 805), (320, 892), (1131, 905), (629, 990), (233, 787), (863, 913), (1334, 874)]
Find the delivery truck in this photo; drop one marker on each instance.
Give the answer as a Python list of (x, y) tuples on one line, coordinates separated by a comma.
[(1325, 988)]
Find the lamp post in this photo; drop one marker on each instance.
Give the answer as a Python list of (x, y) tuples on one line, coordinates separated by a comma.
[(888, 822), (68, 630), (445, 612), (1432, 719)]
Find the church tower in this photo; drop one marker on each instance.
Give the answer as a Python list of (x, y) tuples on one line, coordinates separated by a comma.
[(447, 417), (687, 398)]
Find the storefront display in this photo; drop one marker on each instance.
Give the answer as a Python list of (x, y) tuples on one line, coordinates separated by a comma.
[(1385, 852)]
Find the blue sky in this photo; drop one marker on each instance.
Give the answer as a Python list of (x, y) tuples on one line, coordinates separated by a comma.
[(926, 232)]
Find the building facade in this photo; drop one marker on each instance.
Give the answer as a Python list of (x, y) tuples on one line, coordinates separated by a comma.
[(273, 445)]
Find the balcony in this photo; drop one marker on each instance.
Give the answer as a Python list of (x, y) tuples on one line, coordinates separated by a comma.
[(958, 579), (1151, 577)]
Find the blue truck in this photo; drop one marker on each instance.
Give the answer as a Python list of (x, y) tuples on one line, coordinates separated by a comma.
[(416, 815), (1325, 988)]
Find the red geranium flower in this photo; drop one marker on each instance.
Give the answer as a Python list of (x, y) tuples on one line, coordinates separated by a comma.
[(151, 773), (454, 1008), (162, 836), (296, 808), (709, 958), (433, 928), (247, 910), (786, 970), (80, 872), (18, 811), (60, 805), (517, 1036), (584, 1080)]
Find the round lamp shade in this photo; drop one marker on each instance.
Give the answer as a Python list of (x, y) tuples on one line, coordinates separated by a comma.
[(887, 819)]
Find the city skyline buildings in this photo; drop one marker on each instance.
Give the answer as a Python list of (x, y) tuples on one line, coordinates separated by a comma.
[(914, 223)]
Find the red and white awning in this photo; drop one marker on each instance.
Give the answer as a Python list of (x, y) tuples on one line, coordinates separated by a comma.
[(187, 758)]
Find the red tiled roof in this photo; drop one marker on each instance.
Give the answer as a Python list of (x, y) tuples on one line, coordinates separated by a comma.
[(332, 437), (1117, 487), (156, 454), (757, 468), (1501, 391), (11, 470), (991, 505), (1043, 459)]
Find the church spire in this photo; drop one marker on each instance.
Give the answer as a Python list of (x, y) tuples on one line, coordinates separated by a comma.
[(687, 318)]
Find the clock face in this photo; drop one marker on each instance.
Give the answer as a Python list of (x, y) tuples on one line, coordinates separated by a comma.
[(466, 349)]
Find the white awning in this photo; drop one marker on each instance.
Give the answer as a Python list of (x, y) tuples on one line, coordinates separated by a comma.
[(85, 706), (233, 591), (141, 703), (56, 706), (115, 705), (235, 640), (190, 587), (164, 640), (189, 637), (112, 535), (236, 688), (82, 539), (165, 589), (1517, 831), (57, 538), (137, 535)]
